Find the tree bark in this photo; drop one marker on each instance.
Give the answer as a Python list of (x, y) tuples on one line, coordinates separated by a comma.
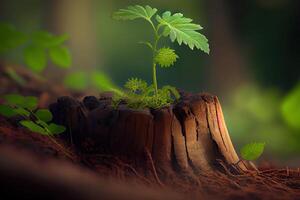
[(189, 137)]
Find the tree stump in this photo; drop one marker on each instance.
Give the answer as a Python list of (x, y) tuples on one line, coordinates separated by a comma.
[(188, 137)]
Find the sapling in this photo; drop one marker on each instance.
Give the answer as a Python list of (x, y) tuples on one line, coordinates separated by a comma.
[(35, 120), (177, 28)]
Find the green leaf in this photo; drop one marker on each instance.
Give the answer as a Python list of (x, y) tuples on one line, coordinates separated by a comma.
[(22, 111), (76, 81), (60, 56), (180, 28), (173, 90), (56, 129), (33, 127), (166, 57), (290, 108), (10, 38), (7, 111), (44, 115), (14, 99), (30, 102), (47, 40), (42, 124), (135, 12), (136, 85), (103, 83), (252, 151), (35, 58)]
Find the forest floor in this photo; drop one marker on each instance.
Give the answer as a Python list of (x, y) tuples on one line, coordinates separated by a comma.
[(33, 167), (33, 163)]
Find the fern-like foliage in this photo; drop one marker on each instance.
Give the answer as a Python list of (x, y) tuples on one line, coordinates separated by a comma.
[(166, 57), (135, 12), (138, 95), (135, 85), (180, 28)]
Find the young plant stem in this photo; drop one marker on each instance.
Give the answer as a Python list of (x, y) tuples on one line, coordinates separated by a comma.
[(52, 139), (154, 51)]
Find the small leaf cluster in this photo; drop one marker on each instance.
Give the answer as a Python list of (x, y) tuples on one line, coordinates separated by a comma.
[(138, 95), (252, 151), (38, 47), (175, 26), (34, 119), (166, 57)]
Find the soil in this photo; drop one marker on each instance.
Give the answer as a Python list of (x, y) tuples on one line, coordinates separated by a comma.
[(33, 167)]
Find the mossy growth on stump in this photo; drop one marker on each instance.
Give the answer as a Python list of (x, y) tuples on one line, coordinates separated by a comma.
[(186, 138)]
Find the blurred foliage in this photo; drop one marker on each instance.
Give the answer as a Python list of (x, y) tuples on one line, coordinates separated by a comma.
[(35, 47), (290, 108), (96, 80), (252, 151), (254, 113)]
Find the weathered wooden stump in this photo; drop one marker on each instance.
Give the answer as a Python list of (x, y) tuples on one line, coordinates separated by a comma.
[(188, 137)]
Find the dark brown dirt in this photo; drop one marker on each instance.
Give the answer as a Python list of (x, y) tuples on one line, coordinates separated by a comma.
[(265, 184)]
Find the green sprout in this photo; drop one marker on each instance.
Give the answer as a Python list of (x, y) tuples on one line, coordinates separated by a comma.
[(36, 120), (32, 118), (178, 28)]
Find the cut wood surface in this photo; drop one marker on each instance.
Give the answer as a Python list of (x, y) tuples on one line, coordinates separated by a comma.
[(187, 138)]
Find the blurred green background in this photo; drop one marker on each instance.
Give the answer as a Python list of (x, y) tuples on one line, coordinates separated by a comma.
[(253, 67)]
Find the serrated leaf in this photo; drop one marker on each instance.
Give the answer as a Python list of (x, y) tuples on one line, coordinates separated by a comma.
[(35, 58), (33, 127), (135, 12), (7, 111), (166, 57), (252, 151), (180, 28), (56, 129), (76, 81), (44, 115), (60, 56), (30, 102), (14, 99), (136, 85)]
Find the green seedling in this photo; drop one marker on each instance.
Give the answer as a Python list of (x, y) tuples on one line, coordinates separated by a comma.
[(34, 119), (177, 28)]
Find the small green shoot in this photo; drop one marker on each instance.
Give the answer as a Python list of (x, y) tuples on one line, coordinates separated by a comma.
[(36, 120), (252, 151), (177, 28)]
